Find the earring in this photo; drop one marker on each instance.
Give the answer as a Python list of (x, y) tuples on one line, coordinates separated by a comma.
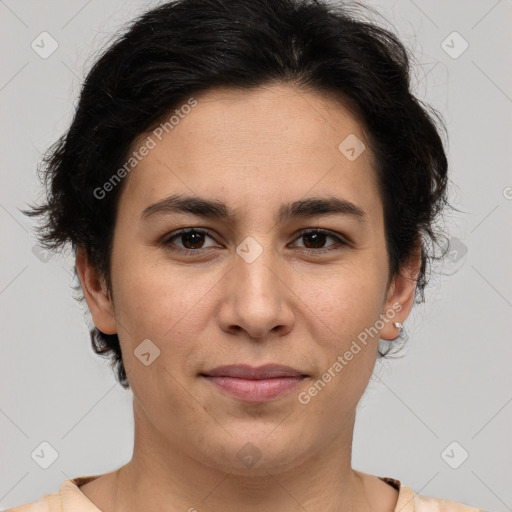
[(399, 326)]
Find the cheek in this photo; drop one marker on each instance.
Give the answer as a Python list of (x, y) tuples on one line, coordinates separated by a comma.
[(346, 299), (343, 314), (153, 301), (154, 304)]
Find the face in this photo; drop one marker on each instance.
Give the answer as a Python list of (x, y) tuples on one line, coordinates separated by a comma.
[(255, 282)]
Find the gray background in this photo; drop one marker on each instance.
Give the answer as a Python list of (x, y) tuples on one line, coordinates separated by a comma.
[(454, 383)]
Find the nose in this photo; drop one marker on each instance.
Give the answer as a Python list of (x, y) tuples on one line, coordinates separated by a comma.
[(256, 298)]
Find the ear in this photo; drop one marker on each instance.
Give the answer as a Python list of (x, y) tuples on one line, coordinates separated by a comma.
[(96, 294), (400, 295)]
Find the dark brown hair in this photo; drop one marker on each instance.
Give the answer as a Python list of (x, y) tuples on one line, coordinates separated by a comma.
[(185, 47)]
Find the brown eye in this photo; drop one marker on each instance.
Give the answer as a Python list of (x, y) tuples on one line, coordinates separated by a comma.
[(315, 239), (192, 240)]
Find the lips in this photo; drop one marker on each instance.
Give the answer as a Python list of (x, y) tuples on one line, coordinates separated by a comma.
[(254, 384), (268, 371)]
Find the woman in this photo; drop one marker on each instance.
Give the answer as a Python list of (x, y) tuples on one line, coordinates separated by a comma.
[(250, 189)]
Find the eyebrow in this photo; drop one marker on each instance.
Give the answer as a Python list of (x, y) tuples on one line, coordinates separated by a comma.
[(213, 209)]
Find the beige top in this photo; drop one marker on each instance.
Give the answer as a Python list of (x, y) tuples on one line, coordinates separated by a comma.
[(71, 499)]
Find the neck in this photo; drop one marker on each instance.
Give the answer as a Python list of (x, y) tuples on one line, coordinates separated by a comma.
[(163, 477)]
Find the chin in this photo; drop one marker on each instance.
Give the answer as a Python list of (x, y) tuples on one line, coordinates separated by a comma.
[(257, 453)]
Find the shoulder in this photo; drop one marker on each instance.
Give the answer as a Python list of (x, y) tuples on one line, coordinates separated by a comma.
[(428, 504), (69, 498), (409, 501), (48, 503)]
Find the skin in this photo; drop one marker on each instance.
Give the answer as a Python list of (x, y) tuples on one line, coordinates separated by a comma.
[(253, 150)]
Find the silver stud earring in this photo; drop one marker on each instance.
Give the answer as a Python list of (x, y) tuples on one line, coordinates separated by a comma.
[(399, 326)]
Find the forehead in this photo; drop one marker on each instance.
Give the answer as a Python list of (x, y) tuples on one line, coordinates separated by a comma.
[(255, 146)]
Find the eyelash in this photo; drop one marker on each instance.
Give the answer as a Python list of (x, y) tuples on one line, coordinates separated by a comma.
[(167, 241)]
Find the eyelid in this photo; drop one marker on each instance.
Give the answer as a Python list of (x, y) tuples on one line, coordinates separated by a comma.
[(341, 241), (176, 234), (341, 238)]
